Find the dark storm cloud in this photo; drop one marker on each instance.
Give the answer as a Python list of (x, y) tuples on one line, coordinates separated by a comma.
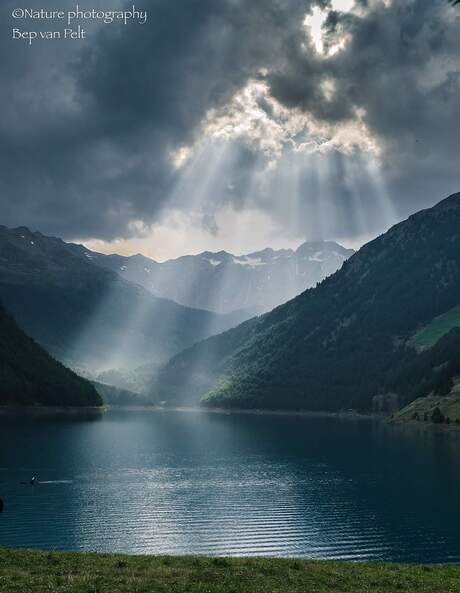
[(86, 135), (402, 67), (86, 129)]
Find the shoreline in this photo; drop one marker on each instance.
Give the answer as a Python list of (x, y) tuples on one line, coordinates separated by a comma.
[(419, 426), (91, 412), (250, 411), (66, 411), (75, 411), (418, 413), (35, 570)]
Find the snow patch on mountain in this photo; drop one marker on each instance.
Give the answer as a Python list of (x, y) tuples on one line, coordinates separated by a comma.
[(224, 282), (318, 256), (251, 262), (213, 262)]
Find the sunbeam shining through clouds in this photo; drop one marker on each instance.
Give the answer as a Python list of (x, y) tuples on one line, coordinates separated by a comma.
[(329, 113), (229, 296)]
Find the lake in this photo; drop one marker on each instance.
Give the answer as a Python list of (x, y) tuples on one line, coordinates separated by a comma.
[(170, 482)]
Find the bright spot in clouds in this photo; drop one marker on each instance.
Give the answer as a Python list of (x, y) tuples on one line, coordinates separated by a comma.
[(295, 159), (255, 117), (315, 21), (328, 88), (180, 156)]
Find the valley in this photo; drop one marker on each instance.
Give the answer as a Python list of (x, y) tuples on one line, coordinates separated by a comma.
[(340, 344)]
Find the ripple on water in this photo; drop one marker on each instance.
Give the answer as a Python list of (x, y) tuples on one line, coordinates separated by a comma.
[(213, 485)]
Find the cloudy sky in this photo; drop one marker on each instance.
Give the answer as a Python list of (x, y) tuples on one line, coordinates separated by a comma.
[(230, 124)]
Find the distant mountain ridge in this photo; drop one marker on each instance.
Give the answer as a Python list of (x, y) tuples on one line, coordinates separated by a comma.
[(223, 282), (88, 316), (29, 376), (342, 343)]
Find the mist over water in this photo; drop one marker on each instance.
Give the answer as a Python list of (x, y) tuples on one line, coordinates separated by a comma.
[(230, 484)]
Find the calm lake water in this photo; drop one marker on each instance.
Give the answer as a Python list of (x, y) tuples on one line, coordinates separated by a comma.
[(208, 483)]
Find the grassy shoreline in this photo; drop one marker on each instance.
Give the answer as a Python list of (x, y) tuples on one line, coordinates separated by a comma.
[(74, 572), (419, 413)]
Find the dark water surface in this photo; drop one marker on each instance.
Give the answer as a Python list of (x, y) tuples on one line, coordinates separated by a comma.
[(207, 483)]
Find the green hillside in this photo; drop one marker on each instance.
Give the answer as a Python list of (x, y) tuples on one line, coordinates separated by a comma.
[(432, 381), (339, 344), (424, 410), (438, 327), (431, 372), (29, 376)]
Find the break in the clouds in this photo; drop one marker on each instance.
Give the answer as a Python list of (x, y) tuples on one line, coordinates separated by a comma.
[(232, 124)]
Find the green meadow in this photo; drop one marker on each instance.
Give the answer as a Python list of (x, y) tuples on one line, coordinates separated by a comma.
[(438, 327), (23, 571)]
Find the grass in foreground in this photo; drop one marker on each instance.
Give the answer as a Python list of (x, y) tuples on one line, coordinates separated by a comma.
[(60, 572)]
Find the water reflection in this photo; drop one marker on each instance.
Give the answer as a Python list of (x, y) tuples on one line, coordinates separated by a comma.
[(171, 482)]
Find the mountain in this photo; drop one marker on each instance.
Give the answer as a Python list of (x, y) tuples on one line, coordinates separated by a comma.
[(223, 282), (431, 383), (435, 371), (342, 343), (114, 396), (88, 316), (29, 376)]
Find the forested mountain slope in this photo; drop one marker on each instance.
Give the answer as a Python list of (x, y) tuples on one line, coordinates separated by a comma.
[(339, 344), (88, 316), (29, 376)]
